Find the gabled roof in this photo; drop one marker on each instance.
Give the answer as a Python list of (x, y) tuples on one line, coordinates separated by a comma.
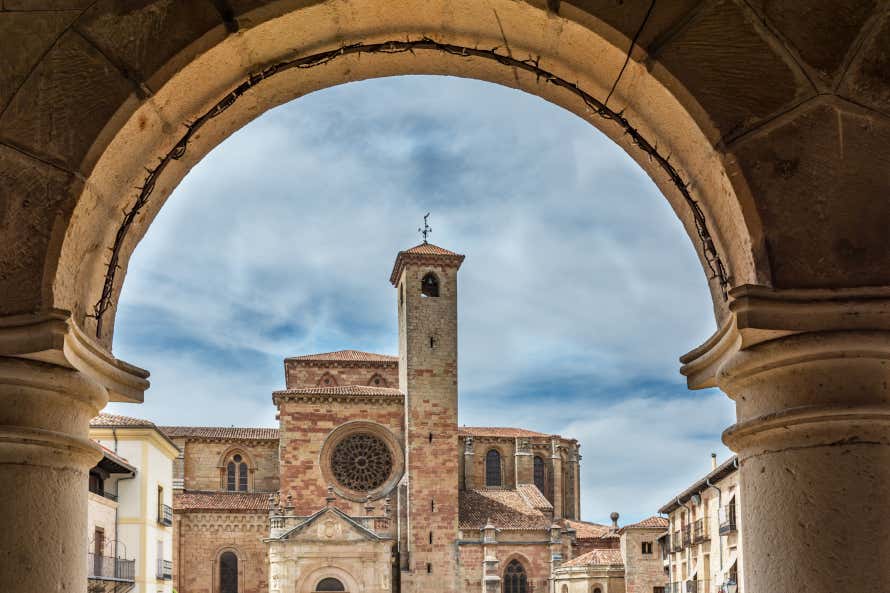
[(598, 557), (196, 501), (653, 522), (114, 463), (499, 431), (584, 530), (341, 390), (344, 356), (221, 432), (358, 527), (505, 509), (425, 253)]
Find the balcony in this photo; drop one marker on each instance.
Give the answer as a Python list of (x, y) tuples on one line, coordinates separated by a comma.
[(165, 514), (728, 522), (676, 542), (701, 531), (687, 536), (698, 586), (165, 570), (95, 489), (110, 574)]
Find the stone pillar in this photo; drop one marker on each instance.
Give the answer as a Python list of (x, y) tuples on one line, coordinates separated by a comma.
[(812, 393), (524, 461), (469, 457), (558, 494), (491, 578), (46, 403)]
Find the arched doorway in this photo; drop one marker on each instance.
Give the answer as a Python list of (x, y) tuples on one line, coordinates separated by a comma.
[(329, 584)]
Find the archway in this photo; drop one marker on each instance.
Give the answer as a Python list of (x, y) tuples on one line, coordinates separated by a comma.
[(61, 289)]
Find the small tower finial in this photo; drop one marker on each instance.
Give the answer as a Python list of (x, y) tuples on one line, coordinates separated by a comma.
[(425, 230)]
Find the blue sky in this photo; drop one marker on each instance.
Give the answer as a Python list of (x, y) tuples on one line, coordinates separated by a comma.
[(579, 291)]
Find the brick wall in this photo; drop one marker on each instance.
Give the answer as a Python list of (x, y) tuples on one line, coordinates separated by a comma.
[(201, 537), (304, 427)]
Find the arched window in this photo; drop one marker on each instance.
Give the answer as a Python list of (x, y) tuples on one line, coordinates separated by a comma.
[(236, 474), (515, 579), (492, 468), (329, 584), (327, 380), (540, 475), (228, 573), (429, 286), (565, 589), (596, 590)]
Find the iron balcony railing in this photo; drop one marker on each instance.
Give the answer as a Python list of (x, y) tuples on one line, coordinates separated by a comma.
[(108, 568), (701, 531), (676, 542), (100, 492), (687, 536), (165, 569), (165, 514), (728, 519)]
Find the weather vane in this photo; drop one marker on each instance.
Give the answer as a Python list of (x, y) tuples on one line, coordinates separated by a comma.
[(425, 230)]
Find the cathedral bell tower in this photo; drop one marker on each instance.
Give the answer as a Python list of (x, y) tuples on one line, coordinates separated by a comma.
[(425, 277)]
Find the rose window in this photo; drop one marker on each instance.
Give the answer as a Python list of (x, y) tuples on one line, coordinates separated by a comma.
[(361, 462)]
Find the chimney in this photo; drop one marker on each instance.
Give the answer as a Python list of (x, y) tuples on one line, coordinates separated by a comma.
[(614, 517), (713, 461)]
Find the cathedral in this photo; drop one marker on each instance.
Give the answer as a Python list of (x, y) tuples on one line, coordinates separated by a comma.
[(369, 485)]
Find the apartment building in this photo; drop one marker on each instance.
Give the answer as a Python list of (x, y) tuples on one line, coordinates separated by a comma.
[(703, 547), (142, 505)]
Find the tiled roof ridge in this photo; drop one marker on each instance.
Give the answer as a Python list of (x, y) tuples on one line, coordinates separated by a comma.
[(420, 254), (653, 522), (430, 249), (501, 431), (246, 433), (348, 355), (105, 419), (506, 509), (213, 500), (341, 390)]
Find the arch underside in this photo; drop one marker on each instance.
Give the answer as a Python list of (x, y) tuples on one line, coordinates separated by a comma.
[(738, 156)]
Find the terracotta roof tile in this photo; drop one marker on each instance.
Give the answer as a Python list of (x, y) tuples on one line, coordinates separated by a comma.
[(653, 522), (498, 431), (221, 432), (195, 500), (599, 557), (506, 509), (534, 497), (430, 249), (341, 390), (115, 420), (586, 530), (346, 356)]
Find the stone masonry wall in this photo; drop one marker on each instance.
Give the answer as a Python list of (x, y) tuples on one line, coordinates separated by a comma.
[(535, 558), (202, 537), (642, 572), (299, 374), (203, 458)]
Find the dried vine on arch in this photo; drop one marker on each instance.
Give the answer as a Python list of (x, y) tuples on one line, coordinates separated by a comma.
[(531, 65)]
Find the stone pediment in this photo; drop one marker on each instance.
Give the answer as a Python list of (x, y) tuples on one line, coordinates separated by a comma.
[(329, 525)]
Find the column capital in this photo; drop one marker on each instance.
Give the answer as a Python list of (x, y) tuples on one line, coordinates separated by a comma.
[(53, 337), (803, 366)]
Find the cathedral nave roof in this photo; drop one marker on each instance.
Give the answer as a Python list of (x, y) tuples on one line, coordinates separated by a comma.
[(505, 509), (345, 356), (221, 432), (197, 500)]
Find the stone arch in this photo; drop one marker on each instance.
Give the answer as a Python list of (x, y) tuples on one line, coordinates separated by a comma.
[(306, 583), (327, 379), (377, 430), (523, 561), (77, 273), (493, 468), (217, 562), (378, 380)]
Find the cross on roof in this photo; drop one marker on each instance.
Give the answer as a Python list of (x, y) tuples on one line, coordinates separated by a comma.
[(425, 230)]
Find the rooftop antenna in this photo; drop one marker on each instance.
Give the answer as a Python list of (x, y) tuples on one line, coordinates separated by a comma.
[(425, 230)]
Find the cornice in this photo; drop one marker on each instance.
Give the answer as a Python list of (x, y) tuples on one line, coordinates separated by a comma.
[(782, 325), (54, 338), (279, 398), (324, 364)]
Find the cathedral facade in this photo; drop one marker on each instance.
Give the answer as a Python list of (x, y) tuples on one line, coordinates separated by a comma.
[(369, 484)]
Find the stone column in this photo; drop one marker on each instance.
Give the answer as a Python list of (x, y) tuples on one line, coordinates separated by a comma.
[(469, 463), (810, 374), (45, 451), (558, 494), (524, 461)]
